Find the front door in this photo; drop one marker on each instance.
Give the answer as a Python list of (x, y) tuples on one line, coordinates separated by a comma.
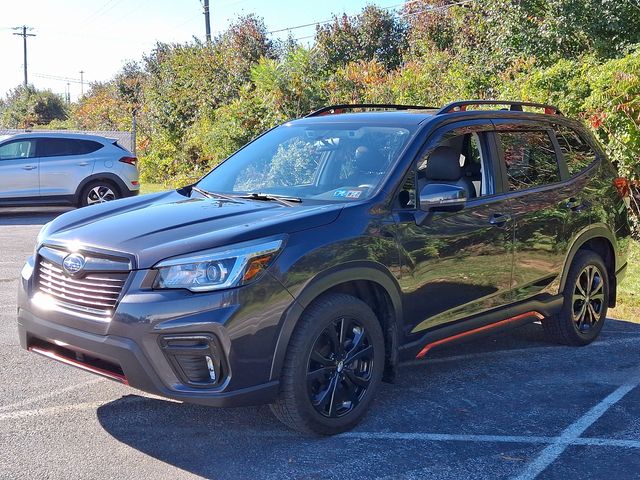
[(18, 169), (456, 264)]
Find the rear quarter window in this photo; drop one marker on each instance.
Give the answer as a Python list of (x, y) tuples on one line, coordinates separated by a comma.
[(577, 153), (530, 159), (56, 147)]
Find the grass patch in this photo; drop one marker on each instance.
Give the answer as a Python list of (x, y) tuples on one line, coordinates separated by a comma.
[(628, 307), (151, 188)]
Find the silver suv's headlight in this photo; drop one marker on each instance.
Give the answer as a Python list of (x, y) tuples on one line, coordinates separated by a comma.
[(219, 268)]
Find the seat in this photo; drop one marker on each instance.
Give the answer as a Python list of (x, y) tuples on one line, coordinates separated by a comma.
[(443, 166)]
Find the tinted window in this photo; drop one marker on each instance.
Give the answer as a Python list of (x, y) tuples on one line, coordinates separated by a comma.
[(530, 159), (56, 147), (17, 149), (577, 153), (87, 146)]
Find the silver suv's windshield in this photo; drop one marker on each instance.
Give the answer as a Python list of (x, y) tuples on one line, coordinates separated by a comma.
[(324, 162)]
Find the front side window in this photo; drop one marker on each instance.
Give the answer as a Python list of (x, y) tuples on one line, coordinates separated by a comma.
[(330, 162), (577, 153), (530, 159), (17, 149), (459, 160)]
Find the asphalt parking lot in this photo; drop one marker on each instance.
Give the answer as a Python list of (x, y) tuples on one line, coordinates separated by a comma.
[(511, 406)]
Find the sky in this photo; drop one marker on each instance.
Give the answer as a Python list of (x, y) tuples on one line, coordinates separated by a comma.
[(99, 36)]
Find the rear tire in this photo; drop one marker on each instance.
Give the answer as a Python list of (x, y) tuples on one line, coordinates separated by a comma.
[(586, 299), (98, 191), (333, 367)]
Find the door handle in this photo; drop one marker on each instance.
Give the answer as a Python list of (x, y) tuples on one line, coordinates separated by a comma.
[(29, 167), (499, 219), (574, 204), (83, 164)]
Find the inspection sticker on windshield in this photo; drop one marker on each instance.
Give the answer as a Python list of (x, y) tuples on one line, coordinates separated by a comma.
[(347, 193)]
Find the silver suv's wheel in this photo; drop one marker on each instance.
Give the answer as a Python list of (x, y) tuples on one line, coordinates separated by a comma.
[(98, 192)]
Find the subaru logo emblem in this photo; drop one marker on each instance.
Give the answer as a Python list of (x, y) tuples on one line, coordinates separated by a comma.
[(73, 263)]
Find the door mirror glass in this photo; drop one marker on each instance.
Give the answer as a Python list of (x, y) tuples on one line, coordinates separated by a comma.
[(442, 197)]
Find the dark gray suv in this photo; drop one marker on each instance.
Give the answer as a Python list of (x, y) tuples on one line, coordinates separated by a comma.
[(305, 267)]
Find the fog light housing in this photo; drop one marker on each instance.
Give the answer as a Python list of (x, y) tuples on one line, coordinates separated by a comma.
[(195, 359)]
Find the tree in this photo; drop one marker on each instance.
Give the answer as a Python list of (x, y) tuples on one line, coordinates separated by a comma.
[(25, 107), (374, 34)]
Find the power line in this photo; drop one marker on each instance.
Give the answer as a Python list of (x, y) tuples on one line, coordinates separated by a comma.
[(59, 78), (428, 9), (24, 36)]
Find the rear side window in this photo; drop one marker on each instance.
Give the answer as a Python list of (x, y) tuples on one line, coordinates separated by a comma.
[(530, 159), (56, 147), (577, 153), (17, 149)]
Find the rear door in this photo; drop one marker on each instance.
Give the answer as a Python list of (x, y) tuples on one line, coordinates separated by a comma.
[(456, 264), (18, 169), (533, 177), (64, 163)]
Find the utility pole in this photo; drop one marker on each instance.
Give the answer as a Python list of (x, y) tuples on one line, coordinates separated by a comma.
[(81, 82), (24, 36), (68, 93), (207, 24)]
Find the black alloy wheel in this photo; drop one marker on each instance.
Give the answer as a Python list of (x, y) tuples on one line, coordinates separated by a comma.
[(333, 366), (586, 300), (339, 368)]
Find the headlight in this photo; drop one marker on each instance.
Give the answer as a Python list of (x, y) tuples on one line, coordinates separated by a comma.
[(220, 268)]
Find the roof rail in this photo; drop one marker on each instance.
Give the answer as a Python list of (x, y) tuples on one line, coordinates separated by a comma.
[(514, 106), (334, 109)]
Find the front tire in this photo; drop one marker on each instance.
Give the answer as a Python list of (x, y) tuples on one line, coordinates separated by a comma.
[(333, 367), (586, 299)]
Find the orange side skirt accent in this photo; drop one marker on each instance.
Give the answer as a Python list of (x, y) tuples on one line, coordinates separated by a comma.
[(429, 346)]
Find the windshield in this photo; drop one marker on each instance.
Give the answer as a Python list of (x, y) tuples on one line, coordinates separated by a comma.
[(324, 162)]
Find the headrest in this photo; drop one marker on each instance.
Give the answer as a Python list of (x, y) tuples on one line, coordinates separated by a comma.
[(444, 165), (368, 159)]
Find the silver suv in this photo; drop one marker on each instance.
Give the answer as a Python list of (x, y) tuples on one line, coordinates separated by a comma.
[(65, 169)]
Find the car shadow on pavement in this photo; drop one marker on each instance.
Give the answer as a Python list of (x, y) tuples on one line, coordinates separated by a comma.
[(493, 385), (30, 216)]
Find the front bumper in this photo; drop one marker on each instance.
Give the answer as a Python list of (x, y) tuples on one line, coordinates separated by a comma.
[(245, 323), (136, 369)]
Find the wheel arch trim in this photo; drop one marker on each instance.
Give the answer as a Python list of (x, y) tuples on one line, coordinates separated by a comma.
[(111, 177), (322, 283), (595, 231)]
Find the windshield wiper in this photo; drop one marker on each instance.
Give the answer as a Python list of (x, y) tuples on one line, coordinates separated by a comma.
[(282, 199), (207, 194)]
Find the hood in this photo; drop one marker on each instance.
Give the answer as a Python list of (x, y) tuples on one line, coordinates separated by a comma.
[(158, 226)]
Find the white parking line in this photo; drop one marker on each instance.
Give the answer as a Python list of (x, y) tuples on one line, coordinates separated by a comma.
[(572, 433), (49, 395), (446, 437), (57, 410)]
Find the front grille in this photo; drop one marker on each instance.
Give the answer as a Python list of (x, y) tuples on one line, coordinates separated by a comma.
[(94, 294)]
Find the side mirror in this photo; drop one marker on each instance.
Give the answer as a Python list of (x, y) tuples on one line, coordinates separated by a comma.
[(442, 197)]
